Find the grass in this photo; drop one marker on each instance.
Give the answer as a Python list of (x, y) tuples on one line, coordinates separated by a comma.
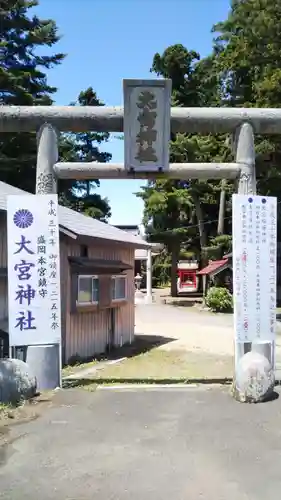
[(8, 411), (140, 345), (5, 409), (24, 410), (159, 364), (74, 368)]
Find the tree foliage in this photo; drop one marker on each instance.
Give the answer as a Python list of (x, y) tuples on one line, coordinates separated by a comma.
[(247, 50), (79, 147), (247, 47), (23, 82), (174, 207), (243, 69)]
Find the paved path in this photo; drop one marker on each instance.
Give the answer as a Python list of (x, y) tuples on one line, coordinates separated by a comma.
[(145, 445), (190, 328)]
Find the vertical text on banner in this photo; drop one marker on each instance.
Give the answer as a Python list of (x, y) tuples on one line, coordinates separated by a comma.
[(33, 270), (254, 267)]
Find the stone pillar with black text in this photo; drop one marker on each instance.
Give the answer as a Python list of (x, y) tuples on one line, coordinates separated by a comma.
[(147, 116)]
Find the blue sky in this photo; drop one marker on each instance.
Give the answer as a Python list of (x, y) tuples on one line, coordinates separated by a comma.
[(108, 40)]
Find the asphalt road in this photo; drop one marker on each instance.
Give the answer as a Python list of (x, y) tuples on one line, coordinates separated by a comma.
[(159, 313), (149, 444)]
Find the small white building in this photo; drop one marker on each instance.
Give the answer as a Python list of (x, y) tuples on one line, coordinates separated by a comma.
[(143, 255)]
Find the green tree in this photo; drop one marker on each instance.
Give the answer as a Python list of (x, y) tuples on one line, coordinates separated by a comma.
[(247, 46), (174, 206), (247, 50), (167, 202), (23, 82), (84, 147)]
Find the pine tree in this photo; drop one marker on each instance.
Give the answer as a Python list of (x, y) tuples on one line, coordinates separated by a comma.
[(173, 206), (248, 61), (23, 82), (81, 195)]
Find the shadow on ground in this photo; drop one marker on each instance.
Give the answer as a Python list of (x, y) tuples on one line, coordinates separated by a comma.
[(182, 302), (272, 397), (141, 345)]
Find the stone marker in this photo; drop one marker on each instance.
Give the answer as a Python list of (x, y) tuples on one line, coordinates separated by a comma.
[(16, 381), (254, 378)]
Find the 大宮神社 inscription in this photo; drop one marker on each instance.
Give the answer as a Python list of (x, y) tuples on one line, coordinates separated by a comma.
[(33, 270), (147, 135), (147, 124)]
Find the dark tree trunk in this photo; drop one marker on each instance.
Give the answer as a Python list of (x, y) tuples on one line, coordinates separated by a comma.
[(200, 220)]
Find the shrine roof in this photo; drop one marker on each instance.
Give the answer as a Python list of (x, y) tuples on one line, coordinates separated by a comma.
[(216, 265)]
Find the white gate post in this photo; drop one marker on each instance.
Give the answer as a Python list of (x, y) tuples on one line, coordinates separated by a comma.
[(249, 376), (149, 277), (45, 360), (47, 157)]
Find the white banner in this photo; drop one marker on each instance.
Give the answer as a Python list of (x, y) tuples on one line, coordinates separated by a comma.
[(254, 230), (33, 270)]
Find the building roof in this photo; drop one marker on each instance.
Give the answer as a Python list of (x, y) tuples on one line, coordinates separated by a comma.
[(129, 228), (212, 267), (141, 253), (80, 224)]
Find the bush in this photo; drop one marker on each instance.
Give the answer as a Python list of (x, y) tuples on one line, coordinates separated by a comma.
[(219, 299), (161, 274)]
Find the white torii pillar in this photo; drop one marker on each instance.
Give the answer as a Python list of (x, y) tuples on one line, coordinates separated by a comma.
[(148, 297), (45, 360), (253, 381)]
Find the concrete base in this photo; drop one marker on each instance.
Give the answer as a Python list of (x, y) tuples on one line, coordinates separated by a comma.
[(139, 297), (143, 298), (148, 299), (44, 361)]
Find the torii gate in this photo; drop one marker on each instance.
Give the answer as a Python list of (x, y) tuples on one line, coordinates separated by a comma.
[(151, 162)]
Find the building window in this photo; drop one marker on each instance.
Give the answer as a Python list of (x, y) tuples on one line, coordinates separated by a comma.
[(118, 290), (88, 290)]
